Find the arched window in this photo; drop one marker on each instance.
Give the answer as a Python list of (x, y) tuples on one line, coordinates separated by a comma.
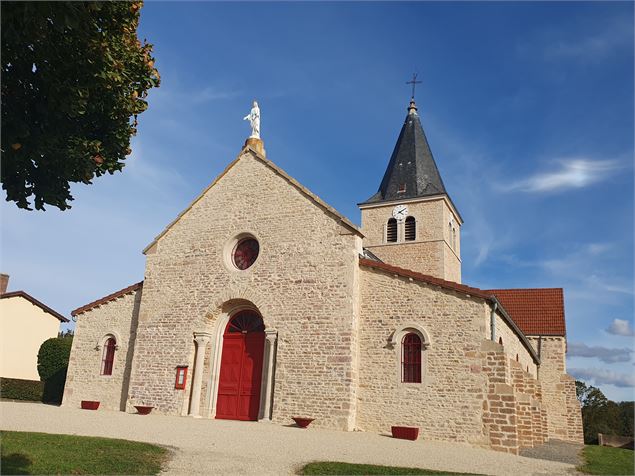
[(411, 358), (500, 340), (391, 231), (109, 356), (453, 238), (516, 357), (410, 228)]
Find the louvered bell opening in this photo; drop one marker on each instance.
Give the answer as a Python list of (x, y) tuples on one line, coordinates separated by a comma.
[(391, 231), (410, 229)]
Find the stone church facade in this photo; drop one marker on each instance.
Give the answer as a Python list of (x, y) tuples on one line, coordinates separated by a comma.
[(239, 316)]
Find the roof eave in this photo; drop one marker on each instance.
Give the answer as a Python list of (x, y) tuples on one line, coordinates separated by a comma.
[(106, 299), (460, 288)]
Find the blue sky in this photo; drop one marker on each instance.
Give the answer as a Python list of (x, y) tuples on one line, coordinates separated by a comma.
[(528, 108)]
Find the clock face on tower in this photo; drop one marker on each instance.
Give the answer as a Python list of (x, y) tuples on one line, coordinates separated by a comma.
[(400, 212)]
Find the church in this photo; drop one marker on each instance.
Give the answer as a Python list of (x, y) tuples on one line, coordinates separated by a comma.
[(241, 317)]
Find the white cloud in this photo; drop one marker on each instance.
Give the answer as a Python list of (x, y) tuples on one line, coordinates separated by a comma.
[(212, 94), (572, 174), (621, 327), (603, 376), (605, 354), (594, 46)]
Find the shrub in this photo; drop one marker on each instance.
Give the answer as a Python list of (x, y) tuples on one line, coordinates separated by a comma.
[(52, 363), (18, 389)]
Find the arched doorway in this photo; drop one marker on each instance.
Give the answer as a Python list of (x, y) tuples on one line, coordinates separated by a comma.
[(241, 367)]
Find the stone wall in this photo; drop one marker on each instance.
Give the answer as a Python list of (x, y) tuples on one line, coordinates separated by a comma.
[(564, 417), (430, 253), (531, 419), (447, 405), (117, 318), (514, 417), (426, 258), (500, 417), (302, 283), (452, 248), (512, 344)]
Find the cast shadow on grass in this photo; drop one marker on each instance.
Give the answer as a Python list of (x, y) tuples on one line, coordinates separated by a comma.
[(16, 463)]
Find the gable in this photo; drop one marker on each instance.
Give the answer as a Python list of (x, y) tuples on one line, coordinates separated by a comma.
[(35, 302), (245, 154)]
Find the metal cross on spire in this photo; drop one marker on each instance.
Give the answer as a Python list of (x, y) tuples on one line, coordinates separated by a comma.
[(414, 82)]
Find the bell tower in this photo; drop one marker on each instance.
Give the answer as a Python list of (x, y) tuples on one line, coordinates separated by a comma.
[(411, 221)]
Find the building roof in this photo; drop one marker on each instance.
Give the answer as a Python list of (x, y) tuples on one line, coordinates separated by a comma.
[(527, 311), (412, 171), (536, 311), (442, 283), (35, 302), (105, 299)]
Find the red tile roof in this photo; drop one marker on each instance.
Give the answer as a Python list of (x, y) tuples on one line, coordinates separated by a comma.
[(105, 299), (536, 311), (461, 288), (528, 311), (35, 302)]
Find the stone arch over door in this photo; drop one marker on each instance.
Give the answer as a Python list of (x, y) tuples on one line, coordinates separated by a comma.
[(223, 314)]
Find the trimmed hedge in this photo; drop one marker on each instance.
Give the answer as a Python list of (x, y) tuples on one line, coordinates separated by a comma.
[(18, 389), (52, 362)]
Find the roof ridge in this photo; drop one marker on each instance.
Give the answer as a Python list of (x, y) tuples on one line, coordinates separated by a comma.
[(107, 298), (526, 289)]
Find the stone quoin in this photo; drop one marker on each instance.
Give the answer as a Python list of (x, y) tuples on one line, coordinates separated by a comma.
[(268, 304)]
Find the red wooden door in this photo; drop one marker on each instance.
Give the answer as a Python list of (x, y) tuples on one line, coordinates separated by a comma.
[(241, 368)]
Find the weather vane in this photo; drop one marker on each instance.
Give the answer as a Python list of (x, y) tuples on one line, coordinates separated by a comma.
[(414, 82)]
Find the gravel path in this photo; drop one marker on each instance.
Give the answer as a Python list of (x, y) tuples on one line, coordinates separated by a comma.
[(230, 447), (556, 450)]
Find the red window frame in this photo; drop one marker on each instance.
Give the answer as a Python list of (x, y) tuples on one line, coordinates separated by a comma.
[(181, 377), (108, 357), (411, 358)]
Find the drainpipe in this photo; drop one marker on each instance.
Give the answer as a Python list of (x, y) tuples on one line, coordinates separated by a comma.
[(492, 321)]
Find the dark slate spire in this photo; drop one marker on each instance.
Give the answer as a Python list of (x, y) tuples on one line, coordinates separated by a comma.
[(411, 171)]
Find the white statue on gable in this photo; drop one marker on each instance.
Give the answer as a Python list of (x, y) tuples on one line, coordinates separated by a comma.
[(254, 119)]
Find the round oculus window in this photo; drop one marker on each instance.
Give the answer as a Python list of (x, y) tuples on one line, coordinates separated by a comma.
[(245, 253)]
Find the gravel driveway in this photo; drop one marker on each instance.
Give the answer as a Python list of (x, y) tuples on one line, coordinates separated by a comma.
[(231, 447)]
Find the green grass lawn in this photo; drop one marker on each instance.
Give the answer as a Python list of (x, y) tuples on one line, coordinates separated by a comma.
[(42, 453), (348, 468), (607, 460)]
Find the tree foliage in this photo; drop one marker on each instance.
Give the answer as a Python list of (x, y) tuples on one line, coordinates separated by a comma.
[(74, 78), (601, 415), (52, 363)]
